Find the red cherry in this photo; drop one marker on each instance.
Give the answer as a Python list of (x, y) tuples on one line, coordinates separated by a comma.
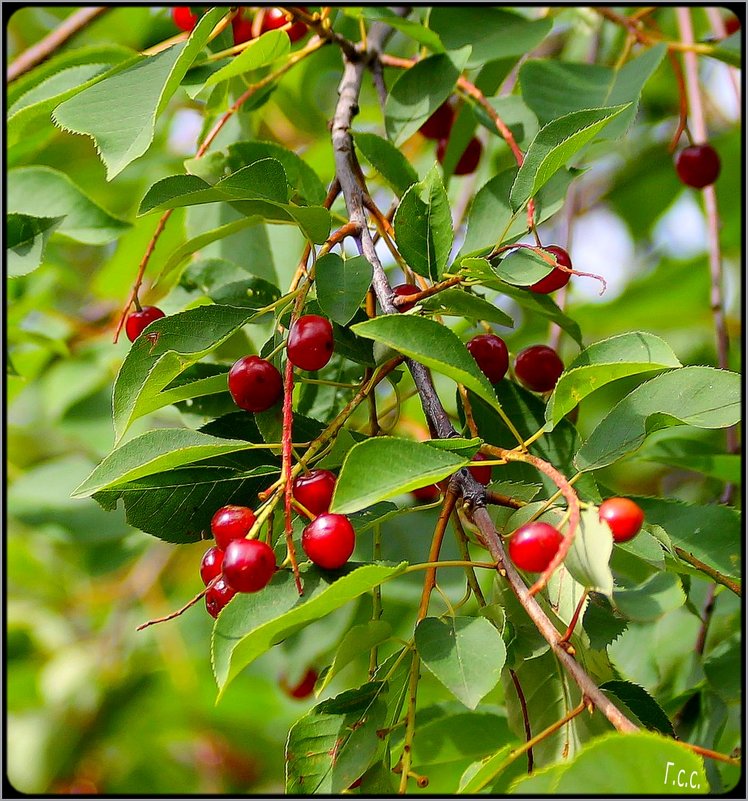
[(697, 165), (533, 546), (556, 278), (210, 567), (401, 290), (439, 124), (184, 18), (623, 516), (231, 523), (248, 565), (218, 596), (304, 688), (275, 18), (491, 354), (310, 342), (538, 367), (426, 494), (314, 490), (481, 474), (242, 28), (139, 320), (469, 159), (732, 25), (254, 384), (329, 541)]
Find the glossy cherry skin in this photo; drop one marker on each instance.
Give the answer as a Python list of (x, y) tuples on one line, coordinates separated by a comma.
[(533, 546), (139, 320), (401, 291), (231, 523), (469, 159), (275, 18), (556, 278), (329, 541), (310, 342), (242, 28), (184, 18), (218, 596), (426, 494), (255, 384), (538, 367), (439, 124), (248, 565), (304, 688), (623, 516), (314, 490), (697, 165), (210, 567), (481, 474), (491, 354)]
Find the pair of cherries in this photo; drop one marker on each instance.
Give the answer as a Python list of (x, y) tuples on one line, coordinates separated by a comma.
[(439, 126), (272, 19)]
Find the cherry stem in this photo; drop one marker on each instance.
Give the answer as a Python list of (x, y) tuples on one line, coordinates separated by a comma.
[(180, 611), (287, 440), (566, 636), (525, 717), (497, 499)]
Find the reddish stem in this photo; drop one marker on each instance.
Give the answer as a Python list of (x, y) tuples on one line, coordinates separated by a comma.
[(286, 470)]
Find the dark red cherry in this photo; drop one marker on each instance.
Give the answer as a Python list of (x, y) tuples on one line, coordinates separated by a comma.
[(481, 474), (255, 384), (439, 124), (310, 342), (231, 523), (538, 368), (314, 490), (697, 165), (304, 688), (218, 596), (248, 565), (491, 354), (556, 278), (533, 546), (275, 18), (329, 541), (469, 159), (426, 494), (184, 18), (210, 567), (138, 320), (242, 27), (732, 25), (401, 291), (623, 516)]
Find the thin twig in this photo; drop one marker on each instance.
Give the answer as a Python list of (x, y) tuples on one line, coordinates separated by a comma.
[(179, 611), (429, 580), (525, 717), (715, 575)]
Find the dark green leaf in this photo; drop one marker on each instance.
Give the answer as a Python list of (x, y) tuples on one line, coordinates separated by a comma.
[(659, 594), (25, 239), (641, 703), (387, 160), (341, 285)]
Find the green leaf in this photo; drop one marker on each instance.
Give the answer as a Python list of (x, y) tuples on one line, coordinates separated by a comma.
[(589, 556), (601, 624), (25, 240), (689, 454), (423, 226), (699, 396), (341, 285), (253, 622), (149, 367), (480, 774), (409, 27), (418, 92), (120, 112), (335, 742), (539, 782), (554, 88), (431, 344), (599, 364), (466, 654), (44, 192), (155, 452), (730, 50), (723, 669), (456, 302), (261, 52), (387, 160), (522, 267), (659, 594), (383, 467), (492, 33), (660, 764), (641, 703), (357, 640), (229, 284), (554, 145)]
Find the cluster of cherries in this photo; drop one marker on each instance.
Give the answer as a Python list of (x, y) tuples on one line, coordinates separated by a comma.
[(243, 24), (238, 564), (533, 546), (438, 126)]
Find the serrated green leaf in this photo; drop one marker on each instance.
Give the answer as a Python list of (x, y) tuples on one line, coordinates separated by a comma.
[(659, 594), (466, 654), (699, 396), (387, 160), (429, 343), (253, 622), (423, 226), (45, 192), (261, 52), (120, 112), (25, 240), (522, 267), (554, 145), (356, 641), (341, 285), (689, 454), (459, 303), (589, 556), (601, 624), (641, 703), (229, 284), (384, 467), (599, 364)]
